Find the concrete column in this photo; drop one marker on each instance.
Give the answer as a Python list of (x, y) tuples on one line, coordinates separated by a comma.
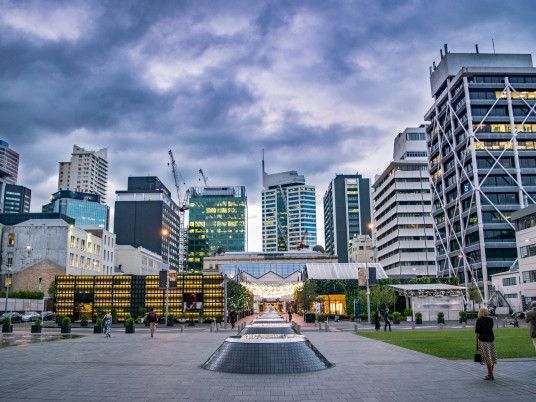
[(320, 326), (182, 329), (327, 327), (355, 327)]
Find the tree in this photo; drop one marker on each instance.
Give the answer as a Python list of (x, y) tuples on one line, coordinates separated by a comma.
[(306, 296), (382, 296), (52, 289), (474, 294), (238, 297)]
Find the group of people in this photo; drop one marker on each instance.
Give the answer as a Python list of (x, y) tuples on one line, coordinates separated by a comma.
[(378, 317)]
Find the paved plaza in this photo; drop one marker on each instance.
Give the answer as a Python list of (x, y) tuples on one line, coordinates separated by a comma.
[(167, 367)]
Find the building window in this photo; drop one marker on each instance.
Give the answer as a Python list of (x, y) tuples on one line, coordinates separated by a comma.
[(11, 240), (510, 296), (529, 276), (509, 281), (527, 251), (71, 259), (81, 261), (72, 241), (82, 244)]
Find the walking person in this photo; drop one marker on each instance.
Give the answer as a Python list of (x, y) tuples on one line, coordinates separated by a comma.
[(108, 324), (152, 319), (233, 318), (377, 318), (387, 320), (531, 319), (485, 341), (290, 315)]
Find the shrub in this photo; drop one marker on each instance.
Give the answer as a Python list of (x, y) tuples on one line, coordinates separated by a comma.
[(418, 315), (407, 312), (472, 316), (66, 321), (6, 321), (127, 317), (142, 312), (129, 322), (22, 294), (37, 322), (208, 320), (100, 321), (396, 315), (83, 318), (171, 318), (440, 315), (463, 314)]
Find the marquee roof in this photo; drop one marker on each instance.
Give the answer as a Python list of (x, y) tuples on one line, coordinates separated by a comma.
[(340, 270)]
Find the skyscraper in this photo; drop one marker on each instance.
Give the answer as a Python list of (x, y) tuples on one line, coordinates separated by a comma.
[(142, 212), (401, 204), (9, 162), (218, 217), (482, 156), (288, 211), (17, 199), (346, 213), (87, 172), (85, 208)]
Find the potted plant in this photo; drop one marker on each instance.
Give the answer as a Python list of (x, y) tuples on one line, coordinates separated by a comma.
[(66, 325), (418, 318), (440, 317), (127, 316), (36, 327), (463, 316), (201, 319), (142, 312), (209, 320), (182, 319), (191, 321), (7, 327), (396, 317), (309, 316), (83, 320), (129, 326), (114, 316), (219, 318), (97, 329), (170, 320)]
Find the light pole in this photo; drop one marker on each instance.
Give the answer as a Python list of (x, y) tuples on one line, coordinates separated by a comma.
[(225, 301), (165, 233), (8, 285), (368, 294)]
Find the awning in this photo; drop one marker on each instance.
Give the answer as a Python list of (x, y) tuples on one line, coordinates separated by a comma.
[(340, 270)]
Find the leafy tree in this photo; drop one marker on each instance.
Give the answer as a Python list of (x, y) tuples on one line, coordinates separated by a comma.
[(382, 296), (238, 297), (474, 294), (306, 296), (52, 289)]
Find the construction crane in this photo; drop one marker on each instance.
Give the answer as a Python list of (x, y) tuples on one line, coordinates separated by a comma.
[(183, 234), (205, 178), (301, 246)]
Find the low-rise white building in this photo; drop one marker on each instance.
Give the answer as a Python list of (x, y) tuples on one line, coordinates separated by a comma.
[(137, 261), (360, 249), (509, 285)]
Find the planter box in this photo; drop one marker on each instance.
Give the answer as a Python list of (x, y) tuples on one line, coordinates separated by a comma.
[(130, 329), (396, 320), (182, 320), (418, 320), (7, 328), (191, 323), (462, 320), (309, 317), (35, 329), (65, 329), (97, 329), (441, 320), (170, 323), (83, 323)]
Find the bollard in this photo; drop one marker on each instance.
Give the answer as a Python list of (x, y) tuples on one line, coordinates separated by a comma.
[(504, 323), (182, 329), (440, 326), (327, 327), (355, 327), (217, 328), (298, 329), (463, 325), (211, 327), (413, 326), (316, 323), (319, 326)]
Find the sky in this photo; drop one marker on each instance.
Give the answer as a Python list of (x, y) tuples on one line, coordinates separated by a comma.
[(322, 86)]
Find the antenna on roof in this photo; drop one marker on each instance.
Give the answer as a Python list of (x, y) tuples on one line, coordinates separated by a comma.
[(493, 43), (476, 47)]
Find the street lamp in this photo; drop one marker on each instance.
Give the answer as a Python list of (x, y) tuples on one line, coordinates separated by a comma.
[(8, 285), (165, 233)]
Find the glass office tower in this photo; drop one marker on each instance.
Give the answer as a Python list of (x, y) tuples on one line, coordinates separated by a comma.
[(217, 218), (85, 208)]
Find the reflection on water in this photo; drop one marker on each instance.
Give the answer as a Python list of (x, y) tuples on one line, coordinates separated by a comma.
[(26, 339)]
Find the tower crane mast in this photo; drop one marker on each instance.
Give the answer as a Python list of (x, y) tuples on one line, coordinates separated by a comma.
[(183, 234)]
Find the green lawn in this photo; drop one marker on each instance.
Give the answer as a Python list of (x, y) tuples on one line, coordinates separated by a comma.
[(458, 344)]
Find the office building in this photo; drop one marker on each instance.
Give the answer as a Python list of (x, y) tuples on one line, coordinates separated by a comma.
[(142, 212), (346, 213), (86, 172), (288, 212), (137, 261), (17, 199), (401, 203), (361, 249), (9, 162), (85, 208), (482, 156), (525, 222), (217, 218)]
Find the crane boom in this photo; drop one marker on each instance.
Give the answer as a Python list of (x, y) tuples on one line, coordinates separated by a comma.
[(183, 234), (205, 178)]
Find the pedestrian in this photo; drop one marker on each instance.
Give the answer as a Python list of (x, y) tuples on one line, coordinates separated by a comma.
[(152, 319), (530, 317), (485, 341), (290, 315), (377, 318), (387, 320), (233, 318), (108, 324)]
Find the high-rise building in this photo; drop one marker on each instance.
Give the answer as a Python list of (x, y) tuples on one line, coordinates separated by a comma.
[(142, 212), (9, 162), (482, 155), (218, 217), (401, 204), (85, 208), (87, 172), (17, 199), (346, 213), (288, 212)]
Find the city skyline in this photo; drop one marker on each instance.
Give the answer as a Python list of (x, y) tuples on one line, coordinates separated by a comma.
[(322, 87)]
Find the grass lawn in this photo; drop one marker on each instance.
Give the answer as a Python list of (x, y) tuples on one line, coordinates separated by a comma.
[(458, 344)]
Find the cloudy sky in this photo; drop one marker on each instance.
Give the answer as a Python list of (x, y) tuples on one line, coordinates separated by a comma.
[(322, 86)]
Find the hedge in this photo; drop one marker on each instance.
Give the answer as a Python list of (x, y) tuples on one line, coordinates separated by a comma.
[(23, 294)]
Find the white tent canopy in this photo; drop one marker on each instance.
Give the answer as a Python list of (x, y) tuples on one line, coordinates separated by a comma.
[(340, 270)]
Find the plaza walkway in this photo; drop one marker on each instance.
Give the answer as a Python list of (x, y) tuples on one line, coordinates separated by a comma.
[(167, 367)]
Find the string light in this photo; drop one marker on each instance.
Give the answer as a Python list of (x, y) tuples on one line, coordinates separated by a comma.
[(271, 290)]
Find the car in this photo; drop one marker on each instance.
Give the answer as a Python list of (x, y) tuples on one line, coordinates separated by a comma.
[(518, 314), (47, 316), (30, 316), (15, 317)]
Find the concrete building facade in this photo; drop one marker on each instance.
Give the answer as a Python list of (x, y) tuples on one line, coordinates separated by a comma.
[(361, 249), (346, 213), (401, 205), (138, 261), (525, 222), (86, 172), (482, 156)]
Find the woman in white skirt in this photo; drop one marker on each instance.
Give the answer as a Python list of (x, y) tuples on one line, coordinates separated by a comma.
[(485, 341)]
